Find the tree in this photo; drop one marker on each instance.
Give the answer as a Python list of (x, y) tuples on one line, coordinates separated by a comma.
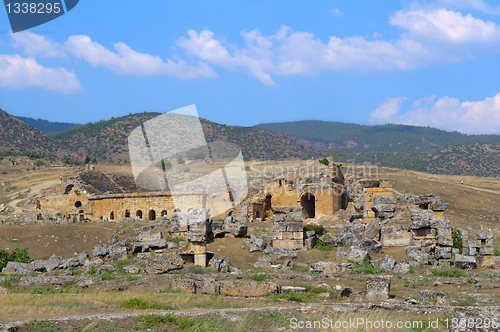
[(198, 156), (324, 161), (87, 160), (180, 160)]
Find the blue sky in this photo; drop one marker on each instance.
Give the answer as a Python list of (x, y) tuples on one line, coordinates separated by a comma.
[(433, 63)]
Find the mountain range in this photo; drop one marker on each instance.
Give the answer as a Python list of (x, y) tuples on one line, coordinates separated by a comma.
[(417, 148), (106, 140)]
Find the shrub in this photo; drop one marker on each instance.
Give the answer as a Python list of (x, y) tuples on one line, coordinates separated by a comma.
[(180, 160), (319, 229), (496, 251), (39, 163), (17, 255), (324, 161), (142, 304), (457, 239), (365, 267)]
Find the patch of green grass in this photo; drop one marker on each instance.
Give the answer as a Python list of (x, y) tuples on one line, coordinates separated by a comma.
[(7, 283), (412, 270), (44, 326), (142, 304), (292, 296), (448, 273), (300, 269), (199, 270), (176, 272), (323, 247), (365, 268), (259, 277), (496, 251), (176, 240), (185, 322)]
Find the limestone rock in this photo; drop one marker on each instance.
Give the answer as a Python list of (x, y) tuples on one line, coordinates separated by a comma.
[(371, 246), (378, 287), (101, 250), (417, 255), (464, 262), (248, 288), (220, 264), (258, 245), (14, 267), (132, 269), (401, 268), (118, 254), (385, 264), (325, 267), (355, 255), (289, 289), (164, 264), (209, 286)]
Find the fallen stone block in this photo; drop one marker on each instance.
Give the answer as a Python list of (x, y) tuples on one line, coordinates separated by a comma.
[(164, 264), (356, 255), (238, 230), (15, 267), (378, 287), (101, 251), (417, 255), (209, 286), (184, 284), (220, 263), (280, 253), (395, 236), (192, 248), (385, 264), (289, 289), (132, 269), (258, 245), (118, 254), (443, 253), (196, 237), (248, 288), (371, 246), (429, 297), (325, 267), (464, 262)]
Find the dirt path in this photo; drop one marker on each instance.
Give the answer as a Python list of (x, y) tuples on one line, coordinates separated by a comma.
[(461, 186), (35, 190)]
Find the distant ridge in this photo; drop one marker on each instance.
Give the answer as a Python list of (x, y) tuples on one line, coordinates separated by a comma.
[(328, 135), (106, 140), (48, 126)]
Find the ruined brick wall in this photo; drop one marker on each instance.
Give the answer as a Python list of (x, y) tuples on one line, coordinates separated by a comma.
[(116, 206), (369, 196)]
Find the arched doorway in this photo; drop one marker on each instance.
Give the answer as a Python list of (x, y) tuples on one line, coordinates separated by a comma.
[(81, 214), (68, 189), (112, 216), (164, 213), (308, 203), (127, 214), (152, 215), (139, 214)]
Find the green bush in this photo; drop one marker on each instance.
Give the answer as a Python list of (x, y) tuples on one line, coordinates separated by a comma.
[(319, 229), (457, 239), (496, 251), (324, 161), (198, 156), (17, 255), (180, 160), (39, 163)]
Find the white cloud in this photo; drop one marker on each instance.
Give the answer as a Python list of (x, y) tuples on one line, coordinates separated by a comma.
[(430, 36), (18, 72), (36, 45), (386, 111), (255, 58), (469, 117), (336, 12), (472, 4), (125, 61), (446, 25)]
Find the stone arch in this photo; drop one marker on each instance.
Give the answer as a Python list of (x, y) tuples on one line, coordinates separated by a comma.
[(164, 213), (112, 215), (308, 203), (68, 188), (231, 212), (152, 215), (78, 204), (139, 214)]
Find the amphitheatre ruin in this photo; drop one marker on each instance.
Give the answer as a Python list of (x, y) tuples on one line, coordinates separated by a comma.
[(335, 238)]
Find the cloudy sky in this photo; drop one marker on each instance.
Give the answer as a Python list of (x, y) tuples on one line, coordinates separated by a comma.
[(433, 63)]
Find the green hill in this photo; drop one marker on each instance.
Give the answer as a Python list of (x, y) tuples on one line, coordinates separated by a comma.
[(327, 135), (48, 126)]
